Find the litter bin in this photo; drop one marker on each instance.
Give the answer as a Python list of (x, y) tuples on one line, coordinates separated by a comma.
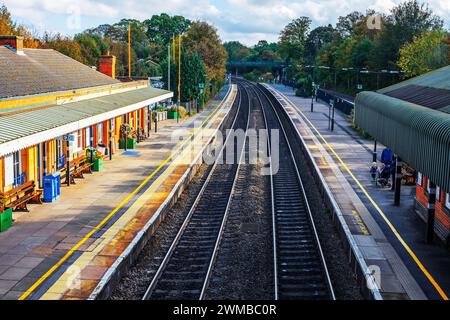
[(52, 187), (131, 143), (6, 220), (98, 164)]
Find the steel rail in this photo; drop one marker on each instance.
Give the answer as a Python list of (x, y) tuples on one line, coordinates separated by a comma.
[(225, 217), (189, 216), (277, 227)]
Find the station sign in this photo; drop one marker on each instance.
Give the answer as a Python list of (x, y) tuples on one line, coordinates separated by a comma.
[(69, 137)]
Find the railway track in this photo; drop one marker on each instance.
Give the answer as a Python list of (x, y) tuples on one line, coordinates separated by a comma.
[(299, 267), (183, 273), (299, 264), (243, 267)]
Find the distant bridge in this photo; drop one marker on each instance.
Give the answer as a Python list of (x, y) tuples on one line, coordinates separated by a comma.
[(253, 64)]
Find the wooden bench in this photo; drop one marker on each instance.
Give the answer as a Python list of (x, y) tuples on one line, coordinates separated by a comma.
[(78, 167), (19, 197)]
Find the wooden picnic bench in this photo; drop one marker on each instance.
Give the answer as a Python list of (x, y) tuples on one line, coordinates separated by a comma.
[(20, 196), (78, 167)]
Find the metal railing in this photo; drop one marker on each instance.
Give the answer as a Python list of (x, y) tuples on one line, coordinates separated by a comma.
[(341, 102)]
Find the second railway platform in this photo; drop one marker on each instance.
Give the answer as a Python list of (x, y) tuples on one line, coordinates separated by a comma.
[(390, 238)]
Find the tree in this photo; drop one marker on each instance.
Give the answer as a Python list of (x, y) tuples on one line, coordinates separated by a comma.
[(92, 47), (204, 39), (346, 25), (161, 28), (193, 73), (237, 51), (292, 39), (317, 39), (427, 52), (64, 45), (360, 54), (7, 25), (407, 20)]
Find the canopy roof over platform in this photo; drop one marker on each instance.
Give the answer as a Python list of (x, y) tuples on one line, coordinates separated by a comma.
[(412, 118), (24, 129)]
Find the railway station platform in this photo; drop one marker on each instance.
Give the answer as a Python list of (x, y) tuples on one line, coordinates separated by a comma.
[(76, 247), (390, 239)]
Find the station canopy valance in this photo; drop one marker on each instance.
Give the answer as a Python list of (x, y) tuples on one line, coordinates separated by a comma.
[(412, 118), (24, 129)]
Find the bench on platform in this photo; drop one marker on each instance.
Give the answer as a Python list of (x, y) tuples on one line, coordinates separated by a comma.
[(20, 196), (78, 167)]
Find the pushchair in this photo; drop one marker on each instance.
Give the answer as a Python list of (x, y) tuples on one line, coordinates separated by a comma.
[(384, 174)]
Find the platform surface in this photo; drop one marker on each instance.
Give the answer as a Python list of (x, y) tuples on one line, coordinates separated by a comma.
[(62, 250), (343, 151)]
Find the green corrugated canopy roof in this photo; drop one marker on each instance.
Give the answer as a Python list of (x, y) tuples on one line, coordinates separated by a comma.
[(419, 135), (27, 123)]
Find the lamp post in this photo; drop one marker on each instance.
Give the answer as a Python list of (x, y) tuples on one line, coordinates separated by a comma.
[(312, 96)]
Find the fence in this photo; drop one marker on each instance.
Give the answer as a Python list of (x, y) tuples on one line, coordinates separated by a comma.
[(341, 102)]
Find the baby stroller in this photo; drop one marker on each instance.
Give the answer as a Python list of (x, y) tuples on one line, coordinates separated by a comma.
[(383, 176)]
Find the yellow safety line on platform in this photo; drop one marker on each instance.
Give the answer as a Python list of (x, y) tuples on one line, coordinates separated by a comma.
[(86, 237), (383, 215)]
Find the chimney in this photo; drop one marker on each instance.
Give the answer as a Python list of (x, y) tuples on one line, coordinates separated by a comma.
[(15, 43), (107, 64)]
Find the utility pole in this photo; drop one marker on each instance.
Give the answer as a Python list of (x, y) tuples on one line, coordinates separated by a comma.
[(129, 50), (179, 77), (168, 69), (173, 46)]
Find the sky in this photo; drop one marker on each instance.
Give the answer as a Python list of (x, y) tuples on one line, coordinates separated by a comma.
[(247, 21)]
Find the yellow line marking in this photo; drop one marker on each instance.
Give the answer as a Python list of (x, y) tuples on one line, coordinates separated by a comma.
[(388, 222), (103, 222)]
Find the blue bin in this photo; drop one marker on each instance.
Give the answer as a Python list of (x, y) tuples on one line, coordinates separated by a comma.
[(52, 187)]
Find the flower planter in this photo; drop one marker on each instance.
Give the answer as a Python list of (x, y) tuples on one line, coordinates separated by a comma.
[(6, 220), (172, 115), (98, 165)]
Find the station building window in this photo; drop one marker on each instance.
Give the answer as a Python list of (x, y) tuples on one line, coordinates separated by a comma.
[(19, 177), (419, 178), (88, 136), (60, 153), (447, 201), (80, 139), (100, 133)]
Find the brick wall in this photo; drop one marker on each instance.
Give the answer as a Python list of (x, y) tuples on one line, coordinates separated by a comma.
[(107, 65), (442, 226)]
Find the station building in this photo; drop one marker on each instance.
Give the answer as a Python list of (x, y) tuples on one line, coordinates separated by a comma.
[(46, 96), (413, 119)]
